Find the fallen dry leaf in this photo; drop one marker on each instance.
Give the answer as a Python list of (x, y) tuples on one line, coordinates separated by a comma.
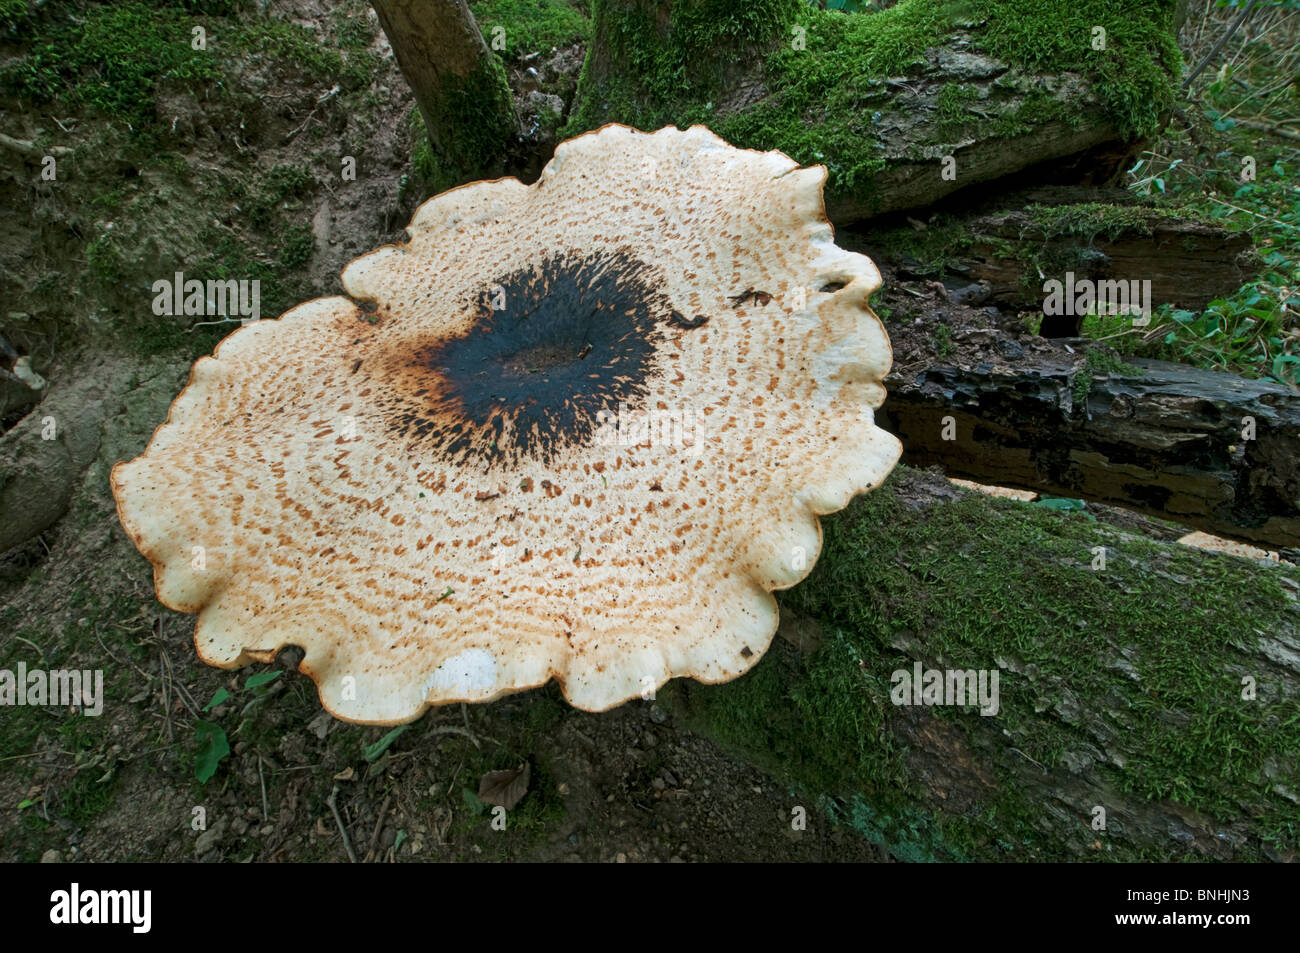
[(504, 788)]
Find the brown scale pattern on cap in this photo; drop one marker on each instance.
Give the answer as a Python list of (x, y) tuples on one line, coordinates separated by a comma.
[(415, 492)]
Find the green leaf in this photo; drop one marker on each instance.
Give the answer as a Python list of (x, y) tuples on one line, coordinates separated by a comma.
[(217, 699), (262, 678), (472, 802), (25, 803), (371, 752), (213, 747), (399, 841)]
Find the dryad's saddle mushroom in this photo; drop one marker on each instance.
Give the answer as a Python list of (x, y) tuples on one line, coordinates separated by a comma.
[(577, 430)]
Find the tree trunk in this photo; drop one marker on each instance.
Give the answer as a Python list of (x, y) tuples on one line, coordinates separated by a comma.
[(1147, 706), (459, 85)]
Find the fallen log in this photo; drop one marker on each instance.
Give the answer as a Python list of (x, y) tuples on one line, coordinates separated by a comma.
[(1096, 235), (903, 106), (1148, 703), (1210, 450)]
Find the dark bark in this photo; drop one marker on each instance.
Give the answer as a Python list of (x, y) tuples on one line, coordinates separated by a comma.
[(1167, 442)]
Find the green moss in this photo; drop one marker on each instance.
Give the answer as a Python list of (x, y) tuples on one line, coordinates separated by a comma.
[(477, 118), (1037, 109), (1091, 220), (664, 78), (113, 58), (1062, 238), (302, 48), (105, 260), (829, 73), (952, 113), (352, 27), (111, 62), (1132, 75), (943, 340), (930, 250), (1098, 361), (15, 17), (530, 25), (282, 188), (295, 247), (981, 583), (431, 176)]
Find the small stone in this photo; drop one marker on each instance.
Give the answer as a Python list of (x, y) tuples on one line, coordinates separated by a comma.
[(51, 856), (621, 858), (973, 295), (540, 103), (210, 839), (1011, 349)]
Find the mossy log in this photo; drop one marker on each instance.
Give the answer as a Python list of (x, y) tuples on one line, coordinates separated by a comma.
[(1188, 262), (1148, 706), (1206, 449), (1095, 234), (904, 106)]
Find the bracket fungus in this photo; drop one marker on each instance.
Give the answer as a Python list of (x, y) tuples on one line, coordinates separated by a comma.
[(577, 430)]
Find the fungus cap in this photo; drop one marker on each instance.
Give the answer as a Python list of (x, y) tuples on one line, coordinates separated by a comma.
[(577, 430)]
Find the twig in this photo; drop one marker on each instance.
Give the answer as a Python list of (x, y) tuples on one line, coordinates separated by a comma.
[(1029, 759), (1269, 128), (1266, 218), (266, 813), (332, 801), (1260, 95), (40, 651), (142, 673), (379, 824), (311, 115), (456, 730), (204, 324), (166, 707), (29, 148), (1214, 50), (19, 757), (181, 691)]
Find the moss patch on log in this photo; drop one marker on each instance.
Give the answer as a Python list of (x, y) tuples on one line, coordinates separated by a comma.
[(824, 78), (1129, 677)]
